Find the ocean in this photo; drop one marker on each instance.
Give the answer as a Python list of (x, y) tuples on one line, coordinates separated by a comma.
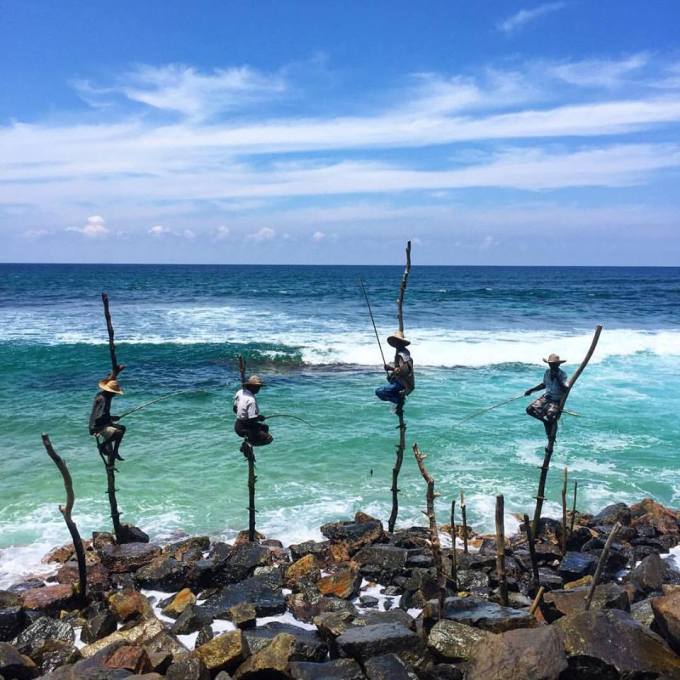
[(478, 335)]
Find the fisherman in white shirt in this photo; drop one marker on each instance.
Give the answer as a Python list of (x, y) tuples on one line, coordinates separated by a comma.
[(249, 423)]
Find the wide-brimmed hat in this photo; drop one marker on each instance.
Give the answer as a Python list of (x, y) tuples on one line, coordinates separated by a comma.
[(398, 337), (554, 359), (110, 385), (254, 381)]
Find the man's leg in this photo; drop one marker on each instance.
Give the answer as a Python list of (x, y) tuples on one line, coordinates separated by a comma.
[(391, 392), (551, 412), (536, 409), (117, 439), (261, 436)]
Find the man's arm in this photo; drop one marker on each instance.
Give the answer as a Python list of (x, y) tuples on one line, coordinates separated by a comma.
[(540, 386)]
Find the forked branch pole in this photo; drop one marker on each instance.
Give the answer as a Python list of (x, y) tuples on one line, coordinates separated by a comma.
[(434, 532), (66, 512), (116, 368), (402, 287), (540, 496)]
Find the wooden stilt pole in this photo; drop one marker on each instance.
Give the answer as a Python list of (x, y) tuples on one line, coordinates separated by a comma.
[(454, 560), (66, 512), (564, 512), (532, 551), (252, 478), (573, 508), (600, 564), (463, 514), (500, 550)]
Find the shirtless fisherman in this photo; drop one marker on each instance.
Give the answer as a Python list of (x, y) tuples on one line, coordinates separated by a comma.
[(249, 423), (399, 374), (546, 408)]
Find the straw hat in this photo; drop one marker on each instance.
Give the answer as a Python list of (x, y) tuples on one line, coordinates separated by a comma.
[(110, 385), (554, 359), (254, 381), (397, 337)]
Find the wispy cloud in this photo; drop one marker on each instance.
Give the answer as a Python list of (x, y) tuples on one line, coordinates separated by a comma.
[(264, 234), (520, 19), (222, 232), (607, 73), (93, 228), (158, 231), (318, 236)]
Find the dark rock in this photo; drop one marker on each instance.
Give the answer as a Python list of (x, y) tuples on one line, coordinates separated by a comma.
[(578, 538), (163, 573), (100, 625), (317, 548), (441, 671), (128, 557), (363, 642), (418, 558), (452, 641), (369, 601), (473, 581), (387, 667), (308, 644), (575, 565), (241, 562), (42, 630), (191, 620), (650, 513), (243, 615), (642, 612), (98, 577), (163, 649), (588, 641), (29, 584), (340, 669), (204, 635), (558, 603), (188, 549), (12, 621), (667, 618), (189, 668), (474, 611), (132, 658), (535, 654), (617, 512), (173, 606), (356, 534), (9, 599), (392, 616), (550, 530), (389, 559), (549, 579), (648, 576), (54, 653), (50, 599), (14, 665), (258, 590), (270, 662)]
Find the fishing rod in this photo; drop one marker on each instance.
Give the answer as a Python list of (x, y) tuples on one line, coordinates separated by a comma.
[(287, 415), (503, 403), (370, 311), (155, 401)]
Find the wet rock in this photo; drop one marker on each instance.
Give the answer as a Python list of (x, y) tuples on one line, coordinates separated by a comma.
[(338, 552), (535, 654), (42, 630), (9, 599), (558, 603), (54, 653), (474, 611), (12, 621), (271, 661), (452, 641), (392, 616), (648, 576), (369, 601), (131, 658), (587, 638), (188, 549), (318, 549), (649, 513), (667, 618), (191, 620), (642, 612), (50, 599), (617, 512), (339, 669), (98, 577), (15, 665), (307, 566), (242, 560), (388, 667), (344, 583), (258, 590), (189, 668), (136, 635), (333, 624), (473, 581), (308, 644), (129, 557), (130, 605), (388, 560), (163, 649), (163, 573), (179, 603), (549, 579), (578, 538), (355, 534), (420, 559), (363, 642), (224, 652), (204, 635), (99, 625), (575, 565)]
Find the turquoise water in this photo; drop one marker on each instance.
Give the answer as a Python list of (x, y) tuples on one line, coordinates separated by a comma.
[(478, 337)]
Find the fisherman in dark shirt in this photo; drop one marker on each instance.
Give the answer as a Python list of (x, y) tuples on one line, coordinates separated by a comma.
[(102, 424), (547, 407), (399, 374), (249, 423)]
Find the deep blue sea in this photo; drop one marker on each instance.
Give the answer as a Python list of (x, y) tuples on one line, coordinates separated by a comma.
[(478, 335)]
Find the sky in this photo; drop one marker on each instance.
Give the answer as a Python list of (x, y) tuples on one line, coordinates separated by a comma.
[(490, 132)]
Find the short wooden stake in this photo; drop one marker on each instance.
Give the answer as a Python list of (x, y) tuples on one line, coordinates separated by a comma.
[(500, 550), (463, 515), (573, 508), (454, 561), (532, 550), (564, 512), (600, 564), (537, 601)]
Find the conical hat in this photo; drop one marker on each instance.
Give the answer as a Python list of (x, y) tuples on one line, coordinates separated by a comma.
[(254, 380), (397, 337), (110, 385), (554, 359)]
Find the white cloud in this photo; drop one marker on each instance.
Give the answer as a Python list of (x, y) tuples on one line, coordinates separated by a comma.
[(35, 234), (264, 234), (158, 230), (189, 234), (318, 236), (520, 19), (598, 73), (93, 228), (222, 232)]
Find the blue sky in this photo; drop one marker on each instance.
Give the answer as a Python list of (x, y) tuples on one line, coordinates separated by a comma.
[(301, 132)]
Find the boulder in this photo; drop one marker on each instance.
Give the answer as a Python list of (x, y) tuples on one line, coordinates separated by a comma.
[(136, 635), (617, 512), (163, 573), (130, 605), (243, 615), (588, 638), (269, 662), (649, 513), (12, 621), (188, 549), (474, 611), (131, 658), (242, 560), (99, 625), (9, 599), (54, 653), (50, 599), (575, 565), (388, 667), (578, 538), (344, 583), (121, 559), (267, 598), (388, 560), (642, 612), (191, 620), (339, 669), (189, 668), (308, 644), (667, 618), (535, 654), (452, 641), (355, 534), (558, 603), (98, 577), (307, 566), (224, 652), (15, 665), (363, 642), (648, 576), (179, 603), (42, 630), (368, 601), (318, 549), (163, 649)]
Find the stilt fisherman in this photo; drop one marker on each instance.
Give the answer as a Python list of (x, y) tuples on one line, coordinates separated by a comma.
[(399, 374), (102, 424), (546, 408), (249, 423)]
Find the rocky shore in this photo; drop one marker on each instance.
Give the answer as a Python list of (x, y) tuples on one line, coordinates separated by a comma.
[(361, 604)]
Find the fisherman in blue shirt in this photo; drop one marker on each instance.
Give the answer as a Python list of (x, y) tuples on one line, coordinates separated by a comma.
[(399, 374), (546, 408)]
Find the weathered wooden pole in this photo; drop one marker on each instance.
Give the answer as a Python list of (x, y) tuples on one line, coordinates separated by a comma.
[(434, 531), (116, 368), (66, 510), (537, 601), (463, 514), (454, 560), (540, 496), (500, 550), (573, 508), (249, 455), (399, 457), (600, 564), (564, 512), (532, 551)]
